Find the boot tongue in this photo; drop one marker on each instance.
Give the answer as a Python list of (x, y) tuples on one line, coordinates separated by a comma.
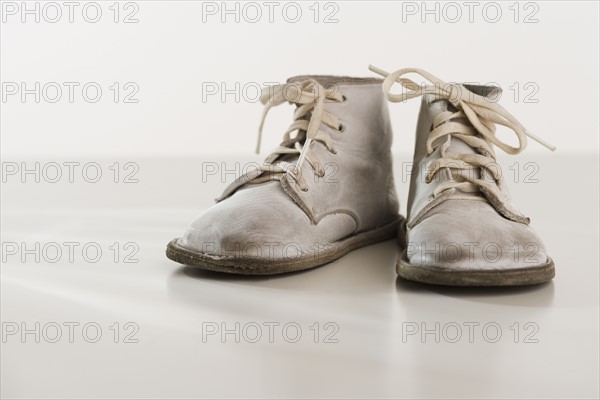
[(300, 135), (291, 158), (326, 82), (454, 145)]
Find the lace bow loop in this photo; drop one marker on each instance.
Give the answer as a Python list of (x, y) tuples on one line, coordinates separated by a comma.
[(481, 112), (310, 97)]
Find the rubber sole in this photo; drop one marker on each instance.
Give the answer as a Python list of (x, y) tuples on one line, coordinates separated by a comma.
[(455, 277), (258, 266)]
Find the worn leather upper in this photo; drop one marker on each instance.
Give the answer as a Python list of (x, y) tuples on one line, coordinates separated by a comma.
[(278, 219), (459, 230)]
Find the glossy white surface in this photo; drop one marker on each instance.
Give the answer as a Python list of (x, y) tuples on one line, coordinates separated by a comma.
[(360, 294)]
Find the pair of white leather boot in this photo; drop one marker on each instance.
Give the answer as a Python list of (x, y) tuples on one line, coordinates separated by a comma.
[(328, 188)]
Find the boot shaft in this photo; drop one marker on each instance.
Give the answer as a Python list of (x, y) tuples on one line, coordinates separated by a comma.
[(420, 191), (358, 176)]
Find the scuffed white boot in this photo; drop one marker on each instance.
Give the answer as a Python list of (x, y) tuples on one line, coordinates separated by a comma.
[(320, 194), (462, 228)]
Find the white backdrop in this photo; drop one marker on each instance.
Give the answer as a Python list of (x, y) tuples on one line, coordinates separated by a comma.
[(165, 143), (178, 57)]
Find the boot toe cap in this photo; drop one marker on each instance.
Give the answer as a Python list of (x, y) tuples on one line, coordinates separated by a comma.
[(261, 223), (471, 235)]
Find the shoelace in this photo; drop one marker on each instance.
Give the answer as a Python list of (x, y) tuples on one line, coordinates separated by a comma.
[(481, 113), (311, 97)]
